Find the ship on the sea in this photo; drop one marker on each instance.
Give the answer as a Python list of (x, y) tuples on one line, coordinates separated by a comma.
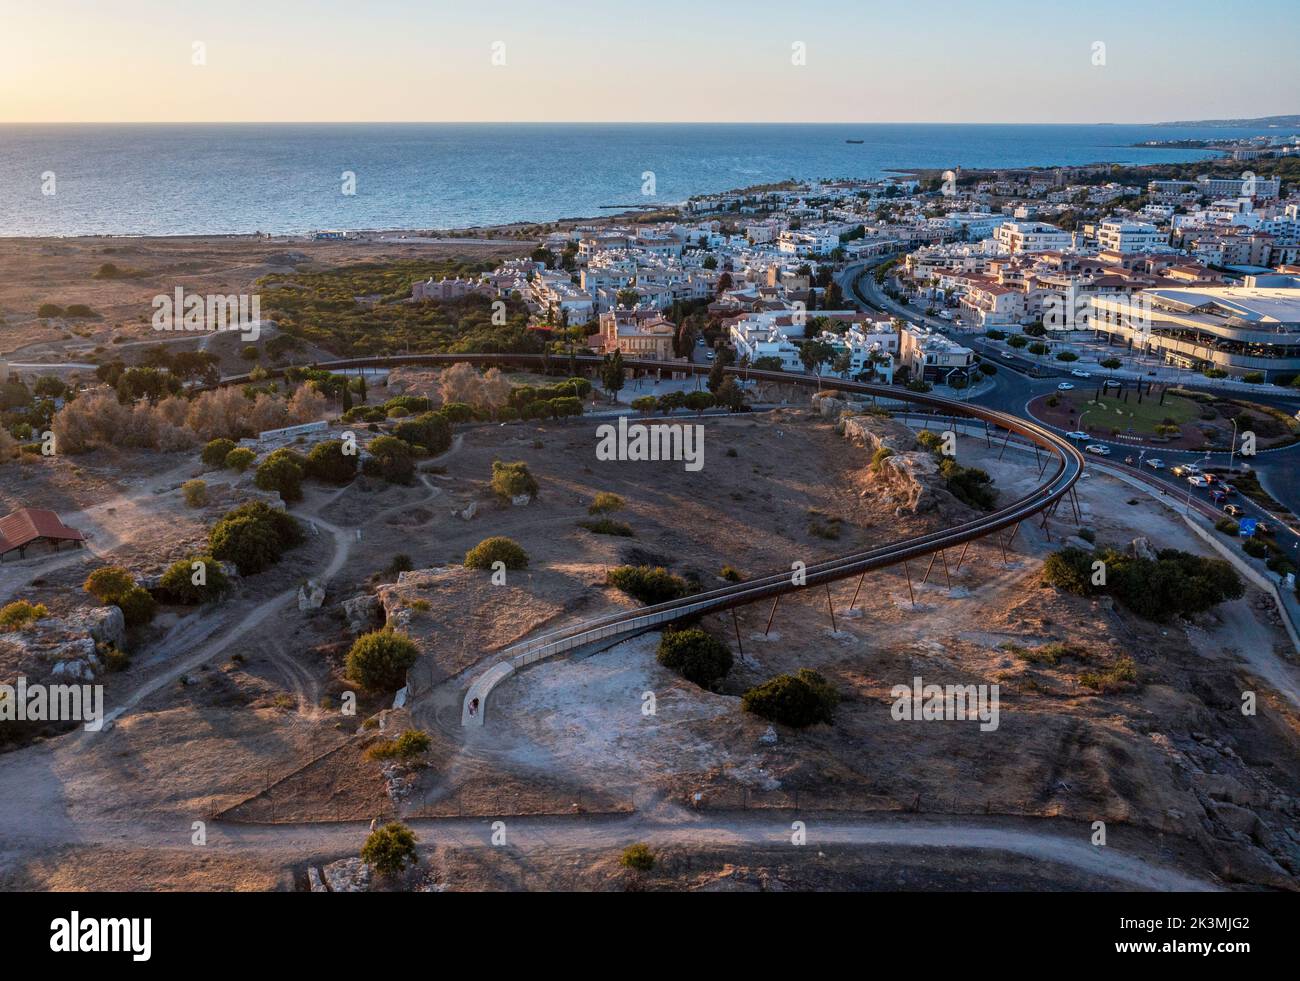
[(855, 141)]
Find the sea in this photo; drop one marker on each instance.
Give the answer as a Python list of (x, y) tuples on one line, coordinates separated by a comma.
[(228, 178)]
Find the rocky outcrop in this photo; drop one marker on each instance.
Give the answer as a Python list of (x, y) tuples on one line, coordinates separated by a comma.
[(311, 595), (1141, 548), (347, 875), (362, 613), (906, 475), (68, 647)]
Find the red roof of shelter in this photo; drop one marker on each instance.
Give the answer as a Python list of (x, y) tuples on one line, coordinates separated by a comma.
[(26, 525)]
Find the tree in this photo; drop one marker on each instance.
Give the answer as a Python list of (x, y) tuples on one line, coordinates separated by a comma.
[(179, 586), (379, 660), (253, 536), (511, 480), (731, 396), (716, 375), (137, 606), (390, 849), (797, 700), (699, 401), (814, 353), (612, 374), (281, 473)]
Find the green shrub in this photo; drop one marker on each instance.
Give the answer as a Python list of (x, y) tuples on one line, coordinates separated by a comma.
[(510, 480), (390, 459), (730, 574), (328, 462), (454, 412), (428, 430), (195, 492), (882, 454), (696, 656), (137, 606), (1254, 548), (410, 403), (608, 526), (379, 660), (604, 502), (178, 584), (109, 583), (390, 849), (20, 614), (970, 485), (638, 858), (496, 549), (281, 474), (215, 453), (1120, 675), (253, 536), (1227, 526), (647, 584), (401, 562), (239, 459), (797, 700), (408, 745)]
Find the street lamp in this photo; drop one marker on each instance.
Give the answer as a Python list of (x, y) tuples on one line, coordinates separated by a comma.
[(1232, 450)]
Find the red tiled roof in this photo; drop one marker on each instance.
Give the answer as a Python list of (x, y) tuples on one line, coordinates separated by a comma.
[(26, 525)]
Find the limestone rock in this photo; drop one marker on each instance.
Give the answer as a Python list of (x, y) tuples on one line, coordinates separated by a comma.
[(362, 612), (311, 595), (1140, 548), (347, 875)]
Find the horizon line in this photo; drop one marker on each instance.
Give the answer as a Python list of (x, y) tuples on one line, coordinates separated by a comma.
[(592, 122)]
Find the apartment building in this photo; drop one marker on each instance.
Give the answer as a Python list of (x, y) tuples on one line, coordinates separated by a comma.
[(637, 333), (1032, 236), (1129, 236), (930, 355)]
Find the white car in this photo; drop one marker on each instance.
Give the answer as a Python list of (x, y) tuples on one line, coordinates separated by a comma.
[(1064, 387), (1078, 434), (1008, 354), (1155, 463), (1196, 480), (711, 355), (1080, 373), (1097, 449)]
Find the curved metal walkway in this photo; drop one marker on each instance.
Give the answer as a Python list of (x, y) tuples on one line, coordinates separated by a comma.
[(1054, 489)]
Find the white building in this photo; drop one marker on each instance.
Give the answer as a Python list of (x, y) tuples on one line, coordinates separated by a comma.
[(1128, 236), (1032, 236)]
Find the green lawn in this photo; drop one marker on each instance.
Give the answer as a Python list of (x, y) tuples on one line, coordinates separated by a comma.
[(1113, 412)]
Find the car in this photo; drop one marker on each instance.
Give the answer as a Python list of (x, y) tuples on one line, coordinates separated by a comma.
[(1227, 488), (1064, 387), (1263, 529), (1155, 463), (1233, 510), (1078, 434), (1196, 480), (1080, 373), (1097, 449), (1210, 478), (1007, 354), (1131, 460), (1218, 497), (711, 355), (699, 342), (1112, 383), (1186, 470)]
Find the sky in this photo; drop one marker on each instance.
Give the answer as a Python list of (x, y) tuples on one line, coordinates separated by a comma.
[(646, 61)]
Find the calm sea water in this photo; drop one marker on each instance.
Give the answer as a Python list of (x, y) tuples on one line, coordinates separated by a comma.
[(235, 178)]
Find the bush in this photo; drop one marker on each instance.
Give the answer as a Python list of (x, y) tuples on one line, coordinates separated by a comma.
[(20, 614), (429, 430), (496, 549), (608, 526), (280, 473), (178, 585), (1253, 377), (604, 502), (695, 656), (379, 660), (930, 441), (253, 536), (970, 485), (239, 459), (408, 745), (390, 459), (196, 493), (390, 849), (215, 453), (730, 574), (797, 700), (454, 412), (647, 584), (879, 457), (510, 480), (109, 583), (1254, 548), (401, 563), (137, 606), (1174, 584), (638, 858), (1227, 526), (1121, 674), (327, 462)]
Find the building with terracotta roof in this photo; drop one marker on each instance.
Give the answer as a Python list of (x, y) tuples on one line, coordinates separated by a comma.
[(34, 529)]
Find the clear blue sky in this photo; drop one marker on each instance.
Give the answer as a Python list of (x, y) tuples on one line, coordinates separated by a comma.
[(654, 60)]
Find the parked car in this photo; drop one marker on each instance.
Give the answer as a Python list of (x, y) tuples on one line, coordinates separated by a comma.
[(1155, 463), (1078, 434), (1196, 480), (1080, 373), (1233, 510), (1064, 387), (711, 355), (1098, 449)]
